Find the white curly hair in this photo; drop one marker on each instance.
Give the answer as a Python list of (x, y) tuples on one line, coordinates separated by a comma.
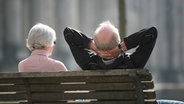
[(40, 36)]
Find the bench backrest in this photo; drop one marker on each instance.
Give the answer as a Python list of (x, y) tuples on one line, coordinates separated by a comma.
[(130, 86)]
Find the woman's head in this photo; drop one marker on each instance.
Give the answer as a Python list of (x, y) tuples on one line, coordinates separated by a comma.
[(41, 37)]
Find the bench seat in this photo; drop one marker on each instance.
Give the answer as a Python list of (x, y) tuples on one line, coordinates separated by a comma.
[(120, 86)]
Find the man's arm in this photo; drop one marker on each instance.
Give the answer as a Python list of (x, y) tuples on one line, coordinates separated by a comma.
[(93, 47), (141, 37), (79, 45), (75, 37)]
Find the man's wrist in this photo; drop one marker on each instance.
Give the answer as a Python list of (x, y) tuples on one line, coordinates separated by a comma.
[(123, 46), (92, 46)]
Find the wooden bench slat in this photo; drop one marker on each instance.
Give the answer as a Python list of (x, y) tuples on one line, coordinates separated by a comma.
[(149, 95), (88, 79), (147, 85), (13, 102), (117, 72), (82, 79), (12, 88), (4, 88), (91, 95), (102, 102), (9, 103), (13, 97), (89, 86), (74, 79), (11, 81), (129, 95), (153, 101), (102, 95), (76, 86), (97, 102), (101, 86)]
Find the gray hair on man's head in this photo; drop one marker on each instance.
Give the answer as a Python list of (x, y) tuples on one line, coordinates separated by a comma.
[(40, 36), (112, 30)]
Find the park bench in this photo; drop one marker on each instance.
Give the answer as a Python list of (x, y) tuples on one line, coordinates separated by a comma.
[(125, 86)]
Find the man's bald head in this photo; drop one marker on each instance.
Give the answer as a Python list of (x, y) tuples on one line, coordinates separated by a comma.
[(106, 36)]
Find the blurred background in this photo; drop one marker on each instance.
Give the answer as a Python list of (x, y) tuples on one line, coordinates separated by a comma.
[(166, 62)]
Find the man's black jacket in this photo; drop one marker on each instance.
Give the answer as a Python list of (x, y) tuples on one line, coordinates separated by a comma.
[(143, 41)]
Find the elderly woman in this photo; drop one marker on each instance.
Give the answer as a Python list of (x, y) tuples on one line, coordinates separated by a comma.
[(41, 40)]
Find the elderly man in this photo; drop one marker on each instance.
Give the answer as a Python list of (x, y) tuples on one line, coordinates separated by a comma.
[(107, 51)]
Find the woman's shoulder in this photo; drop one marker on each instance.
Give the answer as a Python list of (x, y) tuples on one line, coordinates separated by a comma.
[(23, 61), (58, 64), (21, 64)]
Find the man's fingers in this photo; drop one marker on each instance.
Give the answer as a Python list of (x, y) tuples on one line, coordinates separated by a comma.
[(105, 55), (103, 52)]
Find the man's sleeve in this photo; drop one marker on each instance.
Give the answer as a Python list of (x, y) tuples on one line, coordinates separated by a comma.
[(79, 45), (75, 37), (141, 37)]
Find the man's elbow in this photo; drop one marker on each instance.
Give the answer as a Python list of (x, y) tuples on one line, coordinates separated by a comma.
[(154, 31), (66, 31), (68, 34)]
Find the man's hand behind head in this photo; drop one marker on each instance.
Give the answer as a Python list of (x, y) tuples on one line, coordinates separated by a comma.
[(109, 54)]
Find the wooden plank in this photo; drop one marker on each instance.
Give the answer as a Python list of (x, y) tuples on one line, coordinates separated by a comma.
[(12, 96), (9, 102), (95, 86), (52, 103), (113, 102), (153, 101), (60, 79), (149, 95), (94, 102), (91, 95), (147, 85), (87, 86), (11, 80), (89, 79), (75, 73), (75, 86), (82, 79), (13, 102), (12, 88)]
